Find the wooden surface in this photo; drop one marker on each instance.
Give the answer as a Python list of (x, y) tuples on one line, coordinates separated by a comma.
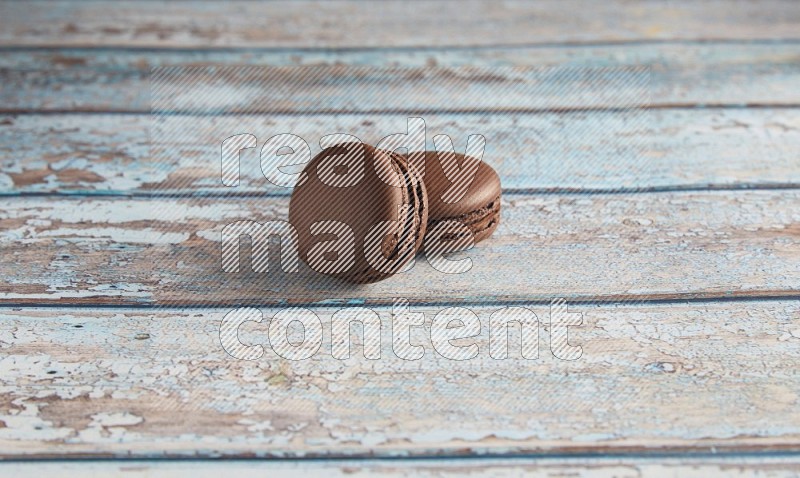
[(696, 377), (770, 467), (681, 74), (597, 247), (664, 149), (672, 223), (393, 24)]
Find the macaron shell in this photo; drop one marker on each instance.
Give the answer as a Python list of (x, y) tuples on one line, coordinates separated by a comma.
[(479, 208), (360, 206)]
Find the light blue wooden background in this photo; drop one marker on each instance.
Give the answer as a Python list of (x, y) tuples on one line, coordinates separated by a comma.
[(686, 266)]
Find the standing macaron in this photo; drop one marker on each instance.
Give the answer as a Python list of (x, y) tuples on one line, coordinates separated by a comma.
[(471, 198), (360, 213)]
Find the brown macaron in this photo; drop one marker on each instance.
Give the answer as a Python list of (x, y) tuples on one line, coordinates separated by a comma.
[(475, 204), (360, 214)]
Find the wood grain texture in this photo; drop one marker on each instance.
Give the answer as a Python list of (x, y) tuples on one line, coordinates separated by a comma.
[(671, 379), (689, 467), (680, 74), (119, 154), (696, 378), (354, 24), (583, 247)]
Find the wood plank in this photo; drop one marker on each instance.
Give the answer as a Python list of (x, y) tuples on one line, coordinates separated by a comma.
[(584, 247), (763, 57), (664, 149), (355, 24), (681, 74), (740, 467), (713, 378)]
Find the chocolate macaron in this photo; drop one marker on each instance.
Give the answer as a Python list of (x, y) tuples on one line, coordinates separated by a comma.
[(454, 197), (360, 213)]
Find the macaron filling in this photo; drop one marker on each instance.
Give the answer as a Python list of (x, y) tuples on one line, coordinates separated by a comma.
[(407, 239), (476, 221)]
